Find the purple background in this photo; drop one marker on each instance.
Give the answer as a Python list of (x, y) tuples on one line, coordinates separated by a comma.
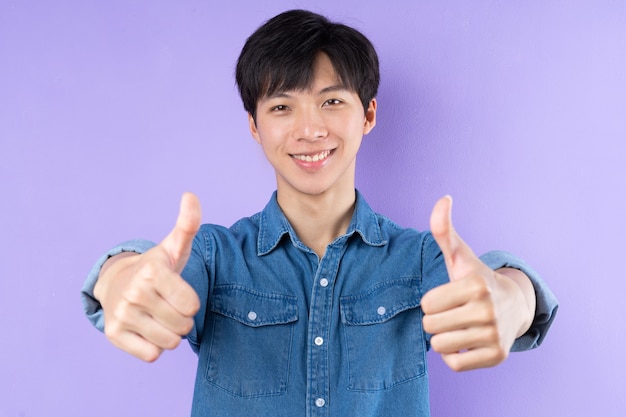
[(109, 110)]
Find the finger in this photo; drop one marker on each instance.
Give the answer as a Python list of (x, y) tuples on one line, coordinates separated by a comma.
[(155, 333), (444, 298), (173, 320), (145, 300), (177, 292), (442, 229), (472, 288), (458, 257), (465, 339), (132, 318), (177, 247), (458, 318), (137, 346), (473, 359), (178, 243)]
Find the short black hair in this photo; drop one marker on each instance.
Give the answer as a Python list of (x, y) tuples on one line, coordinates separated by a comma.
[(280, 56)]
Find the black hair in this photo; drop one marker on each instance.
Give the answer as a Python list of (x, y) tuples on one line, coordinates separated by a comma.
[(280, 56)]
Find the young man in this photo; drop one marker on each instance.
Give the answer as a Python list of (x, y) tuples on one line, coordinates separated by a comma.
[(315, 306)]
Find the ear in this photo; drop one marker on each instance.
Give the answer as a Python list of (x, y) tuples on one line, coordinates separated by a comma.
[(370, 117), (253, 130)]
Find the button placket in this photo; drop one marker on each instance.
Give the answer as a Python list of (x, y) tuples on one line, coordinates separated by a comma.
[(319, 341), (322, 302)]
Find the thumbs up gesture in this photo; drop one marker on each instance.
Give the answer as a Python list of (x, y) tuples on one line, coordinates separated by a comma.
[(147, 306), (476, 317)]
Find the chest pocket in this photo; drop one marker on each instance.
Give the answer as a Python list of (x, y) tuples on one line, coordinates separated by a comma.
[(383, 335), (251, 341)]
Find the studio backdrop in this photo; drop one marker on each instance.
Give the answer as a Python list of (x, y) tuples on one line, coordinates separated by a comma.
[(110, 110)]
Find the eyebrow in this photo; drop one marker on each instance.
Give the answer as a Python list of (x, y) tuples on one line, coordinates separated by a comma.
[(329, 89), (338, 87)]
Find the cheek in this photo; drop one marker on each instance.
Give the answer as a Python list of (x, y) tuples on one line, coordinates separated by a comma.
[(272, 132), (354, 127), (270, 141)]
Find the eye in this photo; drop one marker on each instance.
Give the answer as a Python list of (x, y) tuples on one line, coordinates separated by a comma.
[(332, 102), (279, 108)]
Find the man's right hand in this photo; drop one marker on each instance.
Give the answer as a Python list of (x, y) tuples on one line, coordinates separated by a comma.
[(147, 305)]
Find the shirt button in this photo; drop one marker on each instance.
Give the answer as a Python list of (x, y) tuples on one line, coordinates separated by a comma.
[(324, 282), (381, 311), (252, 316), (320, 402), (319, 341)]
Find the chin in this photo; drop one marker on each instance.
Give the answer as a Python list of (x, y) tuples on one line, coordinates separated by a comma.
[(313, 191), (313, 186), (310, 189)]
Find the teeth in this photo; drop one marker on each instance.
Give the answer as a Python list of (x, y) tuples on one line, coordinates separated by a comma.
[(313, 158)]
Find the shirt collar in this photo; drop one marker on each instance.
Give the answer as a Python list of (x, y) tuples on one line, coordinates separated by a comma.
[(274, 225)]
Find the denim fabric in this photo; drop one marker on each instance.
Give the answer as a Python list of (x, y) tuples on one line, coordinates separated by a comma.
[(284, 333)]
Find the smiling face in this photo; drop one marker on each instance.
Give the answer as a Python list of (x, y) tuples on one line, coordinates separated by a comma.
[(311, 137)]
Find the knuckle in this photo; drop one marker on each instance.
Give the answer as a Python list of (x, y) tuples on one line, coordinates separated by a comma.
[(189, 309), (479, 287), (488, 314), (172, 343), (434, 344), (187, 327), (454, 363), (426, 303), (187, 300), (195, 305), (111, 330), (121, 312), (498, 356), (135, 295), (493, 335), (427, 323), (147, 272), (150, 355)]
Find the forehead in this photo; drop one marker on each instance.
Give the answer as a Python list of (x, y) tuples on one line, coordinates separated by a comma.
[(323, 68)]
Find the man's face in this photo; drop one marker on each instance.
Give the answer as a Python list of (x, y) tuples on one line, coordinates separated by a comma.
[(311, 137)]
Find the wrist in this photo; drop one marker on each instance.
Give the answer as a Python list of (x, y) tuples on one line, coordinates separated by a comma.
[(523, 287), (102, 281)]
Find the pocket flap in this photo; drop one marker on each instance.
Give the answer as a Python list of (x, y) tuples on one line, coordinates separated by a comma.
[(253, 308), (381, 303)]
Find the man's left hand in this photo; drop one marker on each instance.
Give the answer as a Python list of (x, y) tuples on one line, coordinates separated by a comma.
[(476, 317)]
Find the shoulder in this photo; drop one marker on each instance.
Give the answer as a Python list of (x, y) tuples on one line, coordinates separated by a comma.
[(393, 230), (243, 229), (401, 238)]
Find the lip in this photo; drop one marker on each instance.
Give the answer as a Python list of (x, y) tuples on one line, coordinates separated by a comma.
[(312, 160)]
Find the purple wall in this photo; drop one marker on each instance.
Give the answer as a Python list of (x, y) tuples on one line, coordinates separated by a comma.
[(110, 110)]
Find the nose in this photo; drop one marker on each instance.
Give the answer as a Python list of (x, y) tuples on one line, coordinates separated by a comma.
[(310, 125)]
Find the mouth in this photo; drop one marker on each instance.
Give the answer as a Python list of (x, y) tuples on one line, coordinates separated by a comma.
[(315, 157)]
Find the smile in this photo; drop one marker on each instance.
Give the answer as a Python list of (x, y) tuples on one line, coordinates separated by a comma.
[(312, 157)]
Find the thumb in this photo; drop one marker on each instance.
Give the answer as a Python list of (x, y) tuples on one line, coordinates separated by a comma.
[(178, 243), (457, 255)]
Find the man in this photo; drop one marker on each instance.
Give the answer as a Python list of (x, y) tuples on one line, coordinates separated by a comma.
[(317, 305)]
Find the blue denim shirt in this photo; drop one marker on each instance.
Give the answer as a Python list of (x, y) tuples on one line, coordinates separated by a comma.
[(284, 333)]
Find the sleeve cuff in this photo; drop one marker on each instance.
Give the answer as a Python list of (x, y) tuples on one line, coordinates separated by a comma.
[(91, 306), (547, 304)]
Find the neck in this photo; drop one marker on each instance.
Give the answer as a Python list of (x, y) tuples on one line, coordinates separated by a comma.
[(318, 219)]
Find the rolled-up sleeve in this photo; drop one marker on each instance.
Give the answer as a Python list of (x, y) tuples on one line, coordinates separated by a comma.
[(91, 306), (547, 304)]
